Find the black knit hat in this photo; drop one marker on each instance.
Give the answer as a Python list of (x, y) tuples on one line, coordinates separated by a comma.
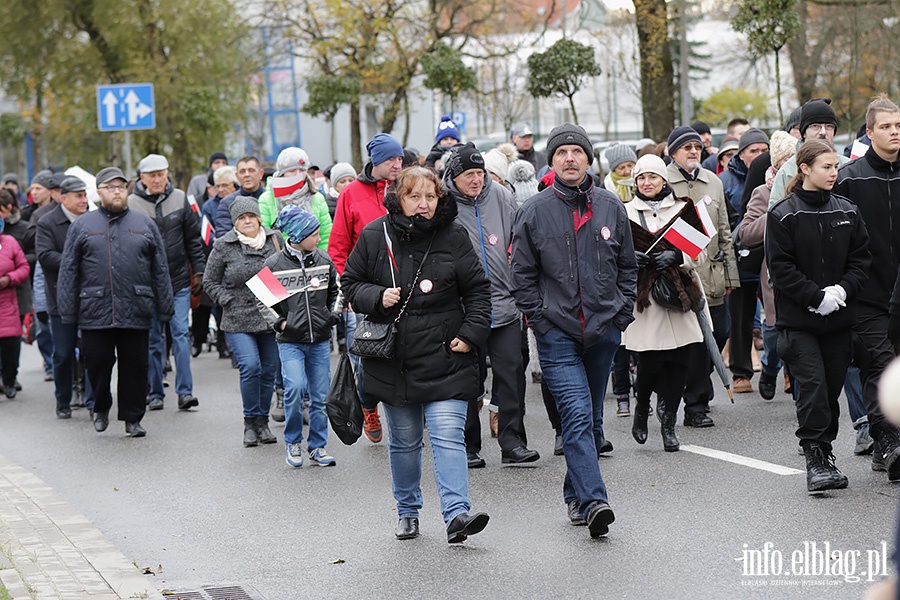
[(217, 156), (793, 119), (750, 137), (568, 134), (681, 136), (700, 127), (462, 158), (817, 110)]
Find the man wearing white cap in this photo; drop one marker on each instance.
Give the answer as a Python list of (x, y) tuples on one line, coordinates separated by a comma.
[(155, 196), (523, 137)]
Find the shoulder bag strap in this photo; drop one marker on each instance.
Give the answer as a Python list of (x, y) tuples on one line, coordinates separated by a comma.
[(415, 281)]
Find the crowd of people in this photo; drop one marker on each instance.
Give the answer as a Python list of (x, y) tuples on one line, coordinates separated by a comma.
[(481, 263)]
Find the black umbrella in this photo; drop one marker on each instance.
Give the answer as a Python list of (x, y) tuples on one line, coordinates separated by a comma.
[(714, 353)]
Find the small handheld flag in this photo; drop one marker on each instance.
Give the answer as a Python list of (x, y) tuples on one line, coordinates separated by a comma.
[(193, 202), (206, 231), (390, 251), (686, 238), (267, 288)]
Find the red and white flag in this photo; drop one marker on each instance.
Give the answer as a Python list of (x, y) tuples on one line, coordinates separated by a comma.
[(686, 238), (858, 149), (708, 226), (206, 231), (285, 186), (390, 251), (193, 202), (267, 288)]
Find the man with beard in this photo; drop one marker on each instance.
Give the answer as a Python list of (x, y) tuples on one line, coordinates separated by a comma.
[(113, 281)]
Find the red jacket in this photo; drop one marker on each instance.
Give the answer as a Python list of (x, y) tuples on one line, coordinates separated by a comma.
[(14, 266), (360, 203)]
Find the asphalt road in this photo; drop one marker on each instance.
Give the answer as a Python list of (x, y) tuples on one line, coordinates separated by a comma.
[(190, 498)]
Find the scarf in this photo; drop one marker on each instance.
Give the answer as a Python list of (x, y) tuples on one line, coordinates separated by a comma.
[(256, 243), (14, 218), (624, 187), (665, 191), (301, 198), (770, 177)]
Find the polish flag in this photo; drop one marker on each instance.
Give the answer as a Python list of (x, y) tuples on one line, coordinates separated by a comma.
[(193, 202), (858, 149), (267, 288), (686, 238), (285, 186), (206, 231), (705, 219)]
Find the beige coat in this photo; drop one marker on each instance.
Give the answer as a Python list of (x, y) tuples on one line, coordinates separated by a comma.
[(707, 188), (657, 328), (752, 231)]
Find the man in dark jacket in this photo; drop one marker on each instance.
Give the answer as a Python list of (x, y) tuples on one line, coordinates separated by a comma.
[(50, 239), (486, 210), (250, 177), (179, 224), (113, 281), (872, 182), (522, 137), (576, 283)]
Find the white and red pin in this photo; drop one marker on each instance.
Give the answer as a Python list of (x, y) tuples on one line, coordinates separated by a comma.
[(493, 239), (314, 282), (426, 286), (707, 200), (605, 233)]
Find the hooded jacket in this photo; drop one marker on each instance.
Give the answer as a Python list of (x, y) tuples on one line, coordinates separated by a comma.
[(573, 264), (815, 239), (489, 219), (360, 203), (310, 313), (113, 273), (873, 185), (269, 207), (179, 227), (452, 299), (14, 266)]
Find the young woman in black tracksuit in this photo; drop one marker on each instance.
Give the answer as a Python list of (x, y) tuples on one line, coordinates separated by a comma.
[(817, 252)]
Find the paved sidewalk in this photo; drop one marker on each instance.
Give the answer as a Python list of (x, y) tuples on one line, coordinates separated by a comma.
[(48, 551)]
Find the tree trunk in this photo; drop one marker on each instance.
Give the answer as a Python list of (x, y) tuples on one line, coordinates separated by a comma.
[(572, 106), (804, 59), (355, 135), (333, 140), (778, 86), (657, 88)]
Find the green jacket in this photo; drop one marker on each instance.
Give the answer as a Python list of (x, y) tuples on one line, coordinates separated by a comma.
[(268, 212)]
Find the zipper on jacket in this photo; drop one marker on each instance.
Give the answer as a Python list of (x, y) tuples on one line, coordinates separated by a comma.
[(597, 248), (487, 272), (112, 295), (306, 299), (569, 256)]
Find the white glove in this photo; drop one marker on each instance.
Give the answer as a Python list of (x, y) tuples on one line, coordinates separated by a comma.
[(839, 292), (830, 303)]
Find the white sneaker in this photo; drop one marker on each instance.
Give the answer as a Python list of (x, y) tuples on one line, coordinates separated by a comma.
[(294, 456), (321, 458)]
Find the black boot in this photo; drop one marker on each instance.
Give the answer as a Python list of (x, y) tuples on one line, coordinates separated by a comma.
[(251, 439), (262, 431), (767, 386), (639, 428), (670, 442), (819, 474)]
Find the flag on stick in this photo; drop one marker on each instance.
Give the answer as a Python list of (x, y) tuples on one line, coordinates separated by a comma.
[(390, 251), (705, 220), (193, 202), (206, 231), (686, 238), (267, 288), (858, 149)]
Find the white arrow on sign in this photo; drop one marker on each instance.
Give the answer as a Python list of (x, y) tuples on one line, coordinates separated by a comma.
[(110, 101), (136, 109)]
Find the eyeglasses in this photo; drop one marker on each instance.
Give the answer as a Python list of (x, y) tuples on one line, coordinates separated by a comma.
[(693, 147), (224, 186), (113, 188), (822, 127)]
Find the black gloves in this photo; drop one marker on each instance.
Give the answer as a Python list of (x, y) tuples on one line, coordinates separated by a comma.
[(666, 258), (642, 259)]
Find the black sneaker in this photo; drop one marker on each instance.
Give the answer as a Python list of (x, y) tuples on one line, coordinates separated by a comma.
[(767, 386), (819, 476), (878, 457), (890, 445), (574, 511), (64, 413), (155, 404), (599, 516), (474, 460), (698, 420), (187, 401)]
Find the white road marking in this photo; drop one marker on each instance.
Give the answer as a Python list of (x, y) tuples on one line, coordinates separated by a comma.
[(742, 460)]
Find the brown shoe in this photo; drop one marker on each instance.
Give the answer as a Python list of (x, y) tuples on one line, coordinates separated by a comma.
[(494, 422), (741, 385), (757, 340), (787, 384), (372, 424)]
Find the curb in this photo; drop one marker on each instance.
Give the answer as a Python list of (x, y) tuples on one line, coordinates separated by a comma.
[(50, 551)]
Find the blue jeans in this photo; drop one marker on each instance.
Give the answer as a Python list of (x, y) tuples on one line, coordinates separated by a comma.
[(446, 424), (771, 362), (65, 340), (44, 339), (853, 391), (257, 358), (577, 378), (181, 348), (305, 368)]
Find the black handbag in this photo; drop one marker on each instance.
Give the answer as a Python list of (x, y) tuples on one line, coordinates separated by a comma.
[(373, 339), (342, 403), (665, 294)]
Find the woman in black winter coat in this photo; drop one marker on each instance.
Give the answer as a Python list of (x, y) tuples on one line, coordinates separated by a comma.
[(434, 372), (236, 257), (817, 252)]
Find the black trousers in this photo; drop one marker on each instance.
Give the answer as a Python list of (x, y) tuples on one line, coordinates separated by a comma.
[(621, 372), (818, 366), (9, 358), (131, 347), (742, 304), (871, 330), (504, 346), (699, 389), (663, 372)]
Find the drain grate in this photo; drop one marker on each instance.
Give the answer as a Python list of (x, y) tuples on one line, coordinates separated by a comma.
[(231, 592)]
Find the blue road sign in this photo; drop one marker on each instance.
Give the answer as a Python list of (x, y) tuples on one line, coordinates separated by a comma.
[(459, 117), (126, 107)]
